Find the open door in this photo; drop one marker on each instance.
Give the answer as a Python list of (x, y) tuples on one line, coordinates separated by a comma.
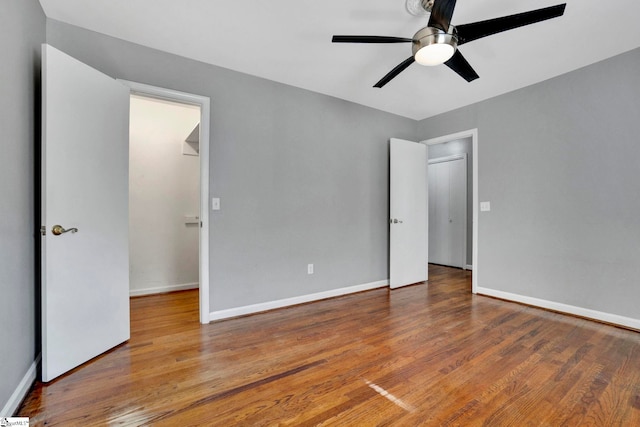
[(85, 255), (408, 260)]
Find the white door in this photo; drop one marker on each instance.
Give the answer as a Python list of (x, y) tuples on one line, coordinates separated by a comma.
[(85, 273), (409, 217), (447, 211)]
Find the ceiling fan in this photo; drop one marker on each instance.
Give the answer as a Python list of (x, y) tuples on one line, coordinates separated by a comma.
[(438, 42)]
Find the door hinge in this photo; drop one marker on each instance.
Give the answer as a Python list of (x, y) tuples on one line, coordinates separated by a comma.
[(43, 230)]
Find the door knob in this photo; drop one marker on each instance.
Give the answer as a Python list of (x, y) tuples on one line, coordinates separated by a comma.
[(395, 221), (58, 230)]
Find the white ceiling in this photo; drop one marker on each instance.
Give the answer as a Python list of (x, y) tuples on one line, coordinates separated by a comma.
[(289, 41)]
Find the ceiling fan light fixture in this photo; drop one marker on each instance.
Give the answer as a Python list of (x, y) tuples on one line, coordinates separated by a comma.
[(434, 54), (432, 46)]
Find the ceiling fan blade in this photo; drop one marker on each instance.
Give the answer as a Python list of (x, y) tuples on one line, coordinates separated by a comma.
[(397, 70), (460, 65), (441, 14), (369, 39), (477, 30)]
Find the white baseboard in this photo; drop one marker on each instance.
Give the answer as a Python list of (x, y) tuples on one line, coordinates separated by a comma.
[(256, 308), (564, 308), (21, 391), (162, 289), (468, 267)]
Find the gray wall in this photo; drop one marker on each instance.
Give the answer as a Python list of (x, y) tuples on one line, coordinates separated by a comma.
[(302, 177), (449, 149), (559, 162), (22, 30)]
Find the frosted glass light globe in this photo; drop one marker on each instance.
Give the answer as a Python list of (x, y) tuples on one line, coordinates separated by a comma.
[(434, 54)]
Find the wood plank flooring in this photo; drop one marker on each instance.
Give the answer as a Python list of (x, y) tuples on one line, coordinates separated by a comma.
[(422, 355)]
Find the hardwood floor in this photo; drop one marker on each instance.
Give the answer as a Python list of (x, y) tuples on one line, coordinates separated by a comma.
[(421, 355)]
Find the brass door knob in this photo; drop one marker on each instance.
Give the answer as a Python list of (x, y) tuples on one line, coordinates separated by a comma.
[(58, 230)]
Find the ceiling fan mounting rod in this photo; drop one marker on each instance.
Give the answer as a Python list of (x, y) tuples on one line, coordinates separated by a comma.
[(427, 4), (419, 7)]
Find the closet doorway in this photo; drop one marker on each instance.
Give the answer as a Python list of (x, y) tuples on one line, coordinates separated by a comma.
[(440, 147), (168, 192), (450, 203), (448, 210), (164, 205)]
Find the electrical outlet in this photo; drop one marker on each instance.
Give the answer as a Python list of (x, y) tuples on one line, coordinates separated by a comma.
[(309, 268), (485, 206)]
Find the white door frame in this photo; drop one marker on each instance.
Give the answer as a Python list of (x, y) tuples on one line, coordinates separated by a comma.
[(473, 134), (461, 156), (204, 103)]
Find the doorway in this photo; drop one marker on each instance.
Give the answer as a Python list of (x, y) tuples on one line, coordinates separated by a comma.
[(164, 180), (169, 263), (440, 143), (448, 210)]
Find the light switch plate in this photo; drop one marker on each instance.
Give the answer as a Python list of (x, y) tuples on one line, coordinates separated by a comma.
[(485, 206), (215, 204)]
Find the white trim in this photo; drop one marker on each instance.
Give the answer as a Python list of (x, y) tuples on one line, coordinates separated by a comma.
[(163, 289), (563, 308), (468, 267), (21, 391), (473, 133), (205, 113), (270, 305)]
